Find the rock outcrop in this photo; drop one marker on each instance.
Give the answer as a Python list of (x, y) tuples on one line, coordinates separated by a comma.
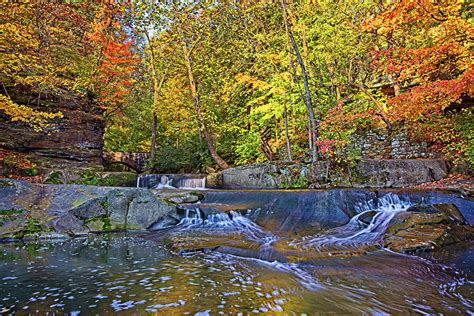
[(76, 140), (369, 173), (27, 208), (427, 228)]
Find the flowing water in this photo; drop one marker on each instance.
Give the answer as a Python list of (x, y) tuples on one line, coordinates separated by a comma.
[(171, 181), (216, 262)]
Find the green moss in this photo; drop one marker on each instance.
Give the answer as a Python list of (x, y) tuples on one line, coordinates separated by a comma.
[(300, 182), (11, 212), (106, 226), (105, 204), (112, 179), (32, 226), (103, 218), (54, 177)]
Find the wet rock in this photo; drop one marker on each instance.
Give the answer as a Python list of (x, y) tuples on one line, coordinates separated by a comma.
[(91, 208), (289, 212), (367, 217), (426, 228), (14, 228), (179, 197), (78, 209), (450, 210), (70, 225), (145, 209), (164, 222)]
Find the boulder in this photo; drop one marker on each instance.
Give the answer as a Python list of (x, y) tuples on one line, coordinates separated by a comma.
[(426, 228), (368, 173), (450, 210), (379, 173), (259, 176), (79, 209), (367, 217)]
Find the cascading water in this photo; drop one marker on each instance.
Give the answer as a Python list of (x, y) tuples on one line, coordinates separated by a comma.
[(241, 262), (358, 233), (165, 183), (191, 183), (171, 181), (224, 223)]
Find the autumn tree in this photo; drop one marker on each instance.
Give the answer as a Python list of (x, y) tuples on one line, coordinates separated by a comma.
[(188, 34), (112, 76), (41, 46), (428, 53)]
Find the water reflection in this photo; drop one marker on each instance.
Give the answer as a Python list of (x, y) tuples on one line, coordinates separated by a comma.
[(130, 274)]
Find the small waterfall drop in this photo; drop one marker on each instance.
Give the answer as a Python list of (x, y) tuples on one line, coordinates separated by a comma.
[(194, 183), (171, 181), (232, 222), (357, 232), (165, 183)]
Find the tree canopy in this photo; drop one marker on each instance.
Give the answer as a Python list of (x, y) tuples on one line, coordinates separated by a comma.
[(221, 83)]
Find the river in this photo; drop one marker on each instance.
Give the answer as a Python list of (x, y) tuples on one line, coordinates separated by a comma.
[(232, 261)]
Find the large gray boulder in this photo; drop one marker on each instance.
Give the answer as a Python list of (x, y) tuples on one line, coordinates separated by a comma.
[(369, 173), (79, 209), (259, 176)]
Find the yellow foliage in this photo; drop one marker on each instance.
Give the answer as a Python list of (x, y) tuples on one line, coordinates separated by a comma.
[(36, 119), (251, 81)]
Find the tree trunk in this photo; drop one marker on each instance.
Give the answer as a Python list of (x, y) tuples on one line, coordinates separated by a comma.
[(295, 77), (153, 136), (379, 106), (156, 92), (307, 96), (287, 137), (201, 126)]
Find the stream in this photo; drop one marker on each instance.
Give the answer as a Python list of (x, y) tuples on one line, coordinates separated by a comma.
[(234, 253)]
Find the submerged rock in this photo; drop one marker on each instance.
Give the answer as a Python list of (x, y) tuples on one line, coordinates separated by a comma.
[(426, 228), (450, 210), (367, 217)]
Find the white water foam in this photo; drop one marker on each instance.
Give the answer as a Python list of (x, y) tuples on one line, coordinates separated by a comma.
[(356, 233), (232, 222)]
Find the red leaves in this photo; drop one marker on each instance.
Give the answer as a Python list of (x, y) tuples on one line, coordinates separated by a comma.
[(116, 63), (431, 98), (325, 145)]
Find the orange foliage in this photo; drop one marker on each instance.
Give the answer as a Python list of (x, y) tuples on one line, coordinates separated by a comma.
[(429, 50), (116, 61)]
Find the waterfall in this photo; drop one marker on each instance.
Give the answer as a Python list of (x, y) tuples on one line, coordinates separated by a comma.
[(165, 183), (191, 183), (356, 232), (171, 181), (232, 222)]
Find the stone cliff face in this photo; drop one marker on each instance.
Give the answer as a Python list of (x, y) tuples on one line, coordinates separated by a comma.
[(75, 141)]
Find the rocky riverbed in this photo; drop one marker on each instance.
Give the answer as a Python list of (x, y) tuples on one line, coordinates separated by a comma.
[(432, 220)]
